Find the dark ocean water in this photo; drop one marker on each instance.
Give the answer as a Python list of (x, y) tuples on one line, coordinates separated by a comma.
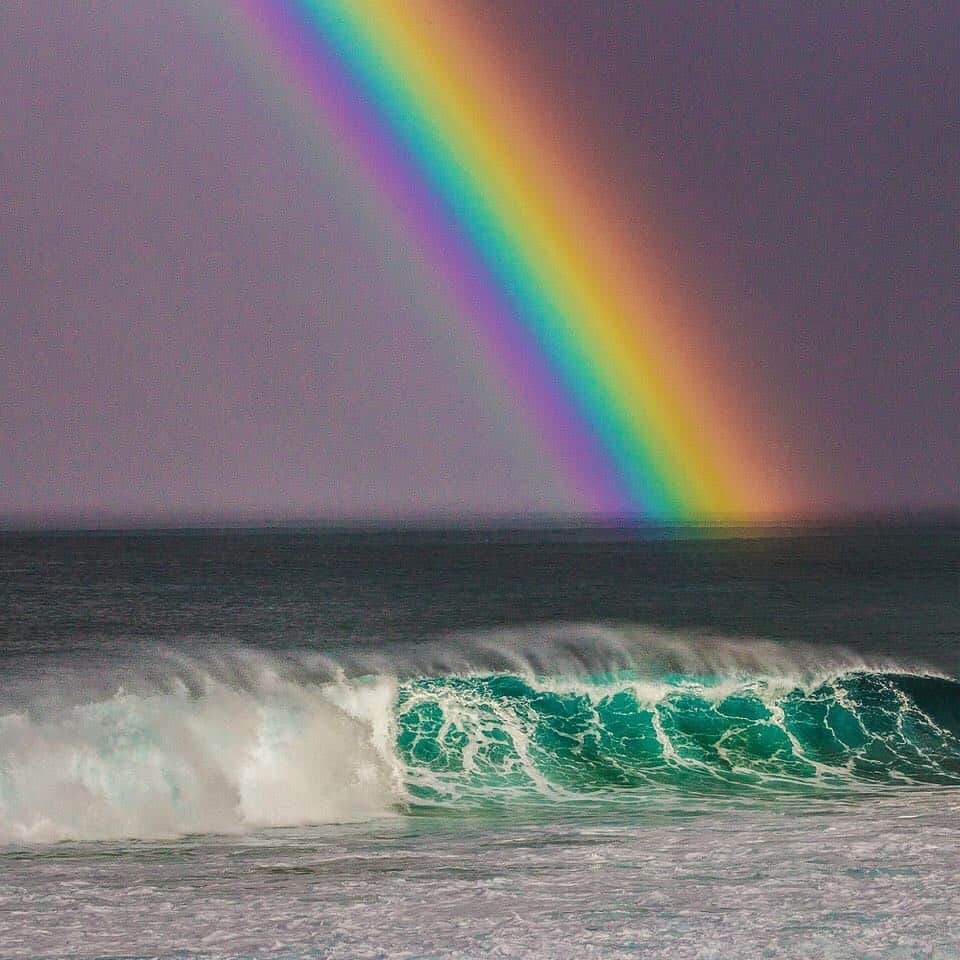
[(881, 589), (570, 742)]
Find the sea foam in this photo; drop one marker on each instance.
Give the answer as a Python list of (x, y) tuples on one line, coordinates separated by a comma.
[(222, 761)]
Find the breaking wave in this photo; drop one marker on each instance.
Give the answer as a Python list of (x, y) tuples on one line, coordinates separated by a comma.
[(247, 740)]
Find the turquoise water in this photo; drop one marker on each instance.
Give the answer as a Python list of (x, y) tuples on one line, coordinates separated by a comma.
[(534, 743), (504, 737)]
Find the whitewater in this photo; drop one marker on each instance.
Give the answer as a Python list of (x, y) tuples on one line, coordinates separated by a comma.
[(192, 766)]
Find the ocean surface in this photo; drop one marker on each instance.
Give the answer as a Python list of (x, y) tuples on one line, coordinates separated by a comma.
[(577, 742)]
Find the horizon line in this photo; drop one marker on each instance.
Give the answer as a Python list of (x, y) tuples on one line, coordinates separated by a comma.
[(454, 520)]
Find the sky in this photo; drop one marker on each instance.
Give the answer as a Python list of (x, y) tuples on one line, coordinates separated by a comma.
[(206, 314)]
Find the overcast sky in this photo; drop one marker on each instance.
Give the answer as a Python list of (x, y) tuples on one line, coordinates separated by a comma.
[(206, 314)]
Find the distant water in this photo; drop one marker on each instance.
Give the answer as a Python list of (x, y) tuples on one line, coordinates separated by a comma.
[(529, 743)]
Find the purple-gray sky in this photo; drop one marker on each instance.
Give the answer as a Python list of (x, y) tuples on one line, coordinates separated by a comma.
[(204, 312)]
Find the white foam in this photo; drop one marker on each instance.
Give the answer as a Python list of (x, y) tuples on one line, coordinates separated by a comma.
[(223, 761)]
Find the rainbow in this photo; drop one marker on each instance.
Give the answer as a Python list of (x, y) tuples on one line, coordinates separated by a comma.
[(498, 209)]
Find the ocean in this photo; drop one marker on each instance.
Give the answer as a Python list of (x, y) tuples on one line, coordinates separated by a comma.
[(531, 742)]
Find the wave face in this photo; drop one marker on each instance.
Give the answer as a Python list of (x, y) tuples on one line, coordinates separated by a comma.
[(477, 738), (257, 741)]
